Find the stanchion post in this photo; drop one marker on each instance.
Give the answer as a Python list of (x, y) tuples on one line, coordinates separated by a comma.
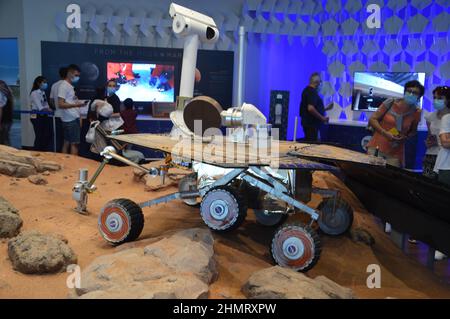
[(295, 129), (54, 133)]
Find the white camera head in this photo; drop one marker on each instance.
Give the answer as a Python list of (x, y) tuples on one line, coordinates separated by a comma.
[(187, 22)]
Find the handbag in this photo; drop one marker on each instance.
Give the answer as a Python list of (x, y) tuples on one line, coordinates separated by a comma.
[(112, 124), (90, 136)]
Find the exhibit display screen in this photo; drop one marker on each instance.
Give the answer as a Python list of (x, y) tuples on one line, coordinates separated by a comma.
[(143, 82), (372, 88)]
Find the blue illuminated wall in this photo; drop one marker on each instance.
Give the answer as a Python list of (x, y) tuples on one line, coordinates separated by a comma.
[(9, 61), (289, 42), (277, 65)]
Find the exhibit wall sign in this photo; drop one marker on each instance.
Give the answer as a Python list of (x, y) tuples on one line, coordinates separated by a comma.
[(144, 74)]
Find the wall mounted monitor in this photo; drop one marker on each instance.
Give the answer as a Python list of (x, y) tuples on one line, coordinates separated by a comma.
[(143, 82), (370, 89)]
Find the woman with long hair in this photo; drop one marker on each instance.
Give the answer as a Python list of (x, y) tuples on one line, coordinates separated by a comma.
[(6, 112), (40, 108)]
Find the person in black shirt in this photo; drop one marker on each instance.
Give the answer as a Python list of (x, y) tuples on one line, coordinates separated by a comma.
[(312, 110)]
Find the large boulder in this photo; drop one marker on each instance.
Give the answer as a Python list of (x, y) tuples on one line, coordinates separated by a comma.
[(16, 169), (283, 283), (36, 253), (20, 163), (10, 221), (180, 266)]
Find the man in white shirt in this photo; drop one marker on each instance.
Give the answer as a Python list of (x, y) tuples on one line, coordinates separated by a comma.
[(53, 101), (70, 110)]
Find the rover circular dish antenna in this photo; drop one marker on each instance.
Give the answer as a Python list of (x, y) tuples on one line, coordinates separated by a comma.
[(204, 109)]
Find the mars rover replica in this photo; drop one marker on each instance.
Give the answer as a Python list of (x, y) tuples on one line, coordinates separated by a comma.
[(248, 168)]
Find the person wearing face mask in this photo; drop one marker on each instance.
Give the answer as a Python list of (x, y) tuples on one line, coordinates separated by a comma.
[(6, 112), (442, 166), (112, 98), (394, 122), (312, 110), (53, 101), (42, 123), (70, 105), (433, 119)]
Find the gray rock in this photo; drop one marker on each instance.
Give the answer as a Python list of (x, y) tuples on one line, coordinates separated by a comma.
[(37, 180), (36, 253), (48, 166), (10, 225), (6, 207), (282, 283), (359, 234), (175, 252), (8, 153), (10, 221), (180, 266), (20, 163), (16, 169)]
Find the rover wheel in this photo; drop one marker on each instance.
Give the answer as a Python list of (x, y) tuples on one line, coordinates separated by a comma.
[(186, 184), (266, 218), (296, 246), (120, 221), (336, 223), (223, 209)]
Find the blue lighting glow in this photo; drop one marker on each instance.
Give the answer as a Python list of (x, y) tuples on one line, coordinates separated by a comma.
[(9, 61), (277, 65)]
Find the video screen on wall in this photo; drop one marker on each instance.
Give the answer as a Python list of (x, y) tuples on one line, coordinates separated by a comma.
[(143, 82), (370, 89)]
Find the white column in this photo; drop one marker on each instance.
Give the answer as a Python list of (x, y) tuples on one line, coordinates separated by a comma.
[(241, 68), (191, 44)]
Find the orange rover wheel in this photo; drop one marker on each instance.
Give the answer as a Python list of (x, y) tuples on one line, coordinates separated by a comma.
[(121, 221), (296, 246)]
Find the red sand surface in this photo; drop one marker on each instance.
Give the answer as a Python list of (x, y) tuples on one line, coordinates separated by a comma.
[(50, 209)]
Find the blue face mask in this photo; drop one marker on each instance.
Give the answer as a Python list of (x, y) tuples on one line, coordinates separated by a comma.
[(43, 86), (110, 91), (438, 104), (75, 79), (410, 99)]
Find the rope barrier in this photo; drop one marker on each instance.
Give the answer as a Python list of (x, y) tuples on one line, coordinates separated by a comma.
[(52, 114)]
